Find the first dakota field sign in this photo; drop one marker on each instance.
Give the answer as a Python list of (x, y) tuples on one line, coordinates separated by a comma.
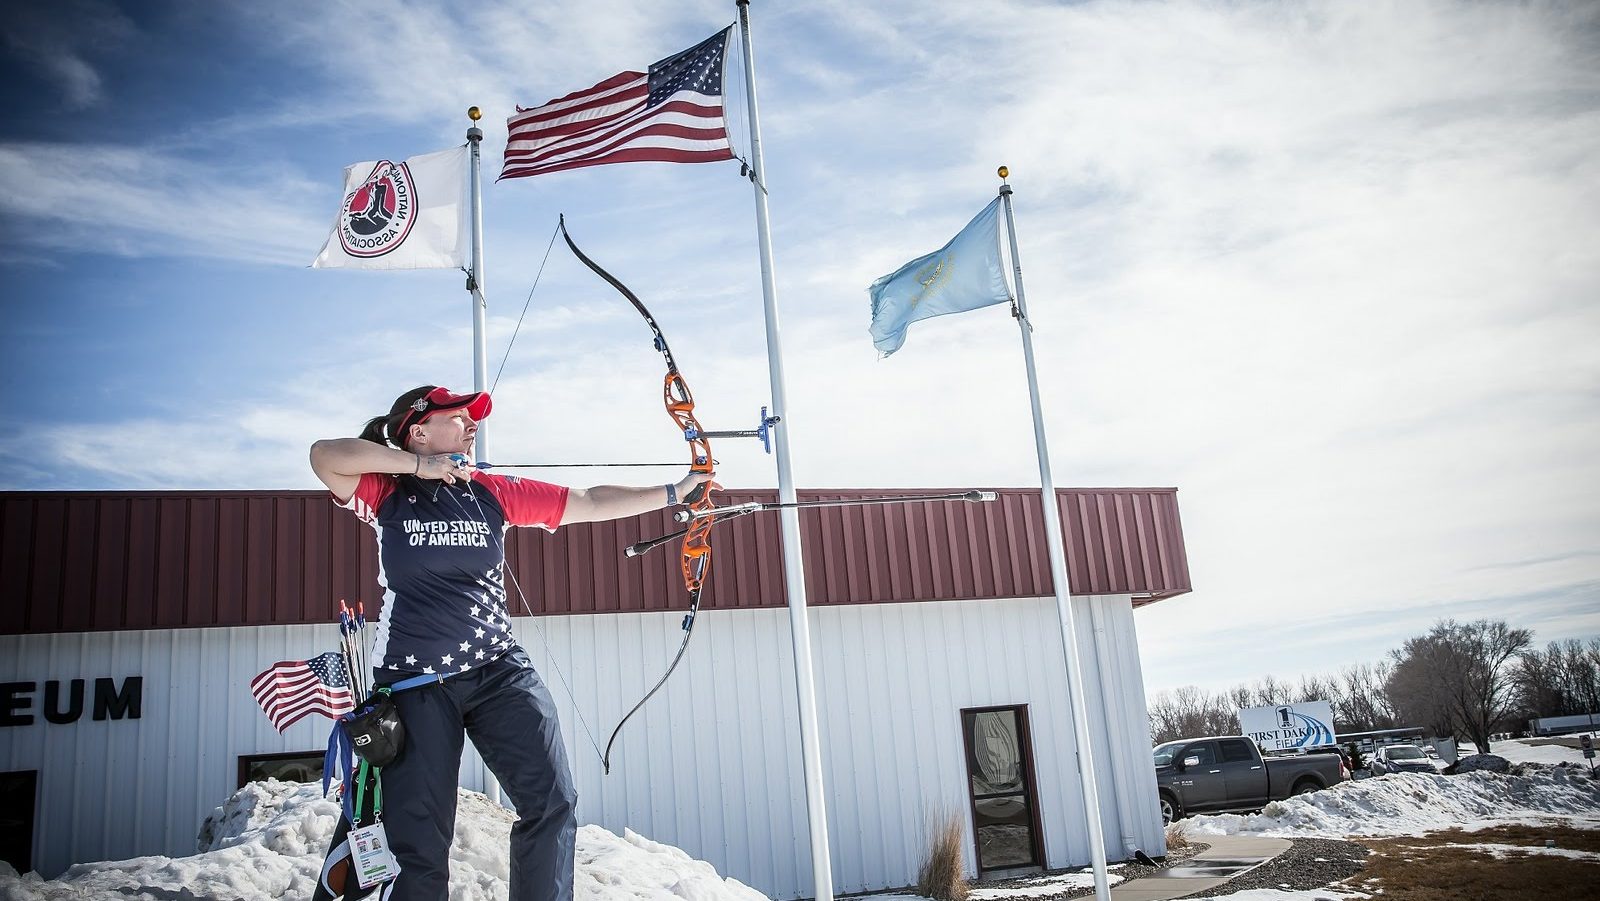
[(1289, 727)]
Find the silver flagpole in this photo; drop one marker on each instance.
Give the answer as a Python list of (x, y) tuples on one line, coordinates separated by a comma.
[(480, 355), (1058, 576), (480, 304), (794, 575)]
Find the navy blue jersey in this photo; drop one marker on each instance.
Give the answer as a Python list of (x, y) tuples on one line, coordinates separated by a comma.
[(441, 564)]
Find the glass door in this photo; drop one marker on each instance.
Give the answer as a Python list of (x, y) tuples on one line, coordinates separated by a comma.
[(1005, 817)]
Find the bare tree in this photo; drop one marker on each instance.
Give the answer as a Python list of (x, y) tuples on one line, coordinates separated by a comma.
[(1270, 691), (1363, 705), (1316, 688), (1190, 712), (1561, 680), (1460, 677)]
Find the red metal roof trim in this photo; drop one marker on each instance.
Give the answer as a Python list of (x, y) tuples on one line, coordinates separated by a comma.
[(154, 560)]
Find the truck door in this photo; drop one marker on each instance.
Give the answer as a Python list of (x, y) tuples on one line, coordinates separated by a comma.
[(1244, 773), (1202, 785)]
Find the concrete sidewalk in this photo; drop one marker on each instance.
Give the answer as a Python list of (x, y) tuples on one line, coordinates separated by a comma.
[(1228, 856)]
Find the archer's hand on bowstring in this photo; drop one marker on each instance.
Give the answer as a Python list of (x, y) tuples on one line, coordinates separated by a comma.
[(450, 468)]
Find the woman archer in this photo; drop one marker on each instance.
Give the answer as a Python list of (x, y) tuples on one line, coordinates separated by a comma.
[(440, 526)]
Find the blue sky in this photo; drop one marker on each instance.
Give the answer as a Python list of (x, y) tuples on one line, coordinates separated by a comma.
[(1328, 268)]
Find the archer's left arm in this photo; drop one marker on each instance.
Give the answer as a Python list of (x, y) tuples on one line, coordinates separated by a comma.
[(604, 502)]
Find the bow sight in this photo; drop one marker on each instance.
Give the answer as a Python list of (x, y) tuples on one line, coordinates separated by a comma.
[(762, 431)]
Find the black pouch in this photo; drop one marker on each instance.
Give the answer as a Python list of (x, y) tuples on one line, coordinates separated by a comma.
[(375, 730)]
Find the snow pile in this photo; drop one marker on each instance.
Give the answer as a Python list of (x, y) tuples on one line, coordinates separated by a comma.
[(267, 843), (1413, 803), (1483, 763)]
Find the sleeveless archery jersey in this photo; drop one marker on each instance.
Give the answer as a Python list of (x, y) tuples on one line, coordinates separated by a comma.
[(441, 564)]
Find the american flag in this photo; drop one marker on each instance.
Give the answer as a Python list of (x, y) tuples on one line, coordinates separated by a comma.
[(672, 114), (293, 688)]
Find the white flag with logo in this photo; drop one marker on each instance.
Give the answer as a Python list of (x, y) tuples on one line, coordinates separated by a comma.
[(406, 215)]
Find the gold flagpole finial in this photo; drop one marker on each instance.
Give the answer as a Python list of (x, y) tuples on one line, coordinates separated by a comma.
[(1003, 172), (474, 113)]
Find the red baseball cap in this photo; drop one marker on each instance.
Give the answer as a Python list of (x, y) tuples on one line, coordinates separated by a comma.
[(477, 404)]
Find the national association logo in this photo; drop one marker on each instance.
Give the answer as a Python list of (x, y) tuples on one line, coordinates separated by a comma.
[(378, 216)]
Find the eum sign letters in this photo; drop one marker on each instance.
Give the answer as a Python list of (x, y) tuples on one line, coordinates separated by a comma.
[(1289, 727), (64, 702)]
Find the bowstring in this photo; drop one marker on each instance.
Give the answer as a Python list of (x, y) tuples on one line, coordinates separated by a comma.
[(505, 567), (525, 304)]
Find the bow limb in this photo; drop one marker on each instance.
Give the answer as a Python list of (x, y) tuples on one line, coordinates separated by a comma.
[(679, 402)]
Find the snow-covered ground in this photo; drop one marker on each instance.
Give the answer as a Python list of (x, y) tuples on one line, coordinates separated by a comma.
[(1525, 750), (268, 841), (1412, 803)]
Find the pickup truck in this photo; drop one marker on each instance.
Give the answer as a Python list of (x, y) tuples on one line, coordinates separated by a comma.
[(1228, 773)]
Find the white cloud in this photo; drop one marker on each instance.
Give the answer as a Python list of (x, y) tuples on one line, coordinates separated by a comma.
[(136, 202)]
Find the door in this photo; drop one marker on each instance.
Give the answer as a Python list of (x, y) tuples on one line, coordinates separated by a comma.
[(1005, 815), (1202, 785), (1243, 772), (17, 793)]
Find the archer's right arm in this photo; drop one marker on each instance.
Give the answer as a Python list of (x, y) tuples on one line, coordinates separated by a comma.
[(340, 462)]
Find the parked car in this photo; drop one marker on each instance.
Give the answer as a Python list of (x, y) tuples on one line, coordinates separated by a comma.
[(1401, 759), (1227, 772), (1344, 760)]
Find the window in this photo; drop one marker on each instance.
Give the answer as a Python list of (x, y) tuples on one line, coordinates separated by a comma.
[(296, 766), (17, 793), (1236, 750), (1204, 751), (1005, 815)]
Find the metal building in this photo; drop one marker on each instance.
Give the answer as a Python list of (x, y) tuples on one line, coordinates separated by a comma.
[(133, 622)]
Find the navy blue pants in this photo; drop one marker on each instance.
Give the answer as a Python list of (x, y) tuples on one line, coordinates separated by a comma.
[(507, 711)]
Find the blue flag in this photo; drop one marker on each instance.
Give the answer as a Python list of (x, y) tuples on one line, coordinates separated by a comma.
[(962, 275)]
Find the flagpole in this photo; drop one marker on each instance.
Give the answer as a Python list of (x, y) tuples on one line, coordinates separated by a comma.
[(1059, 578), (794, 575), (480, 355)]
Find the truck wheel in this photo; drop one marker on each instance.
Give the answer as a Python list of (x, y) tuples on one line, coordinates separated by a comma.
[(1304, 787), (1170, 810)]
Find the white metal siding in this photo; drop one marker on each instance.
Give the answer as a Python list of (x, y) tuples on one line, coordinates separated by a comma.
[(711, 764), (892, 680)]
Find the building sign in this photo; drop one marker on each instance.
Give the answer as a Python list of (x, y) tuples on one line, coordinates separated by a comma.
[(64, 702), (1289, 727)]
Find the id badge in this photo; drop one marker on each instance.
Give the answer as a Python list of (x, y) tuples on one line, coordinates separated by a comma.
[(374, 861)]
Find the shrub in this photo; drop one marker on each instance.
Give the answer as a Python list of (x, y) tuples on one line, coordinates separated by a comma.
[(940, 874)]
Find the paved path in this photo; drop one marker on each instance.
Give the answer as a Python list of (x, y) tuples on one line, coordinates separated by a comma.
[(1228, 856)]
